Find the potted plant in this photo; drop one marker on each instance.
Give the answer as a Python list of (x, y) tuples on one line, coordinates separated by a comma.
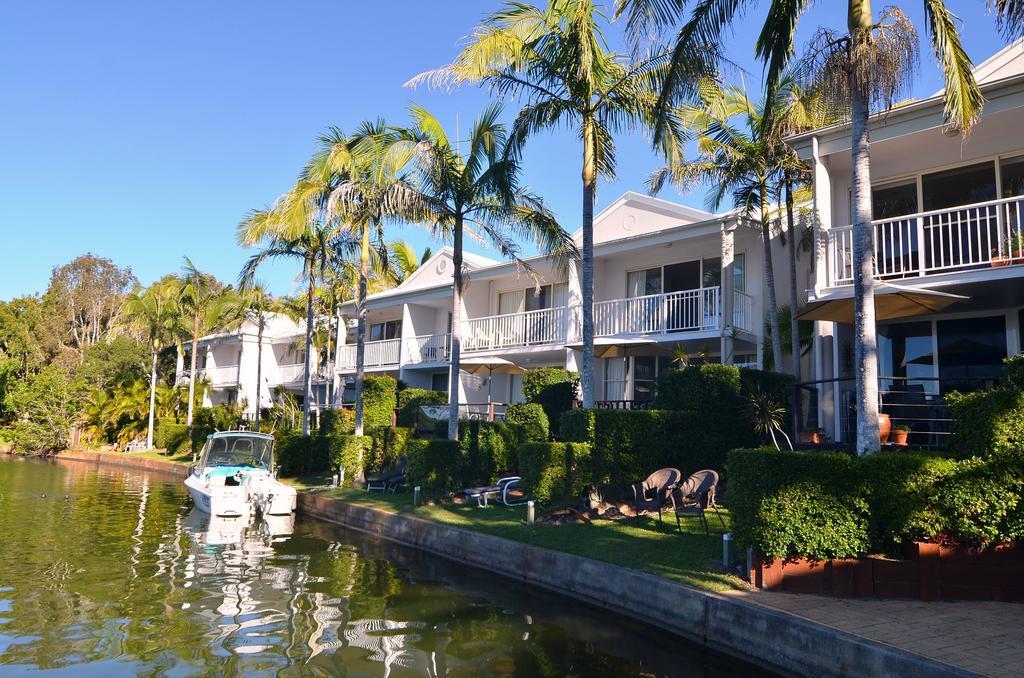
[(899, 435), (884, 427), (1010, 251), (814, 436)]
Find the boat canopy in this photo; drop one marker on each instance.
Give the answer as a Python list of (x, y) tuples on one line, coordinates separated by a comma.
[(238, 449)]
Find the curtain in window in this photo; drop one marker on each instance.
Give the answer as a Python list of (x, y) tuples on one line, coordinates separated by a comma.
[(511, 302), (636, 283), (615, 378)]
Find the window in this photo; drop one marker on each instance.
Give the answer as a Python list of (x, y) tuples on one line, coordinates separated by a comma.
[(894, 201), (439, 381), (643, 283), (615, 378), (971, 352), (711, 272), (679, 277), (532, 299), (1011, 175), (739, 274), (906, 350), (391, 329), (959, 186)]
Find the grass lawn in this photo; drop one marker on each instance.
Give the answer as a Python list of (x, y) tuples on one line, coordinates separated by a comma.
[(691, 558)]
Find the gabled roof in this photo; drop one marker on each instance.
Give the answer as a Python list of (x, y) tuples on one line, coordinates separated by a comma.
[(437, 269), (1006, 63)]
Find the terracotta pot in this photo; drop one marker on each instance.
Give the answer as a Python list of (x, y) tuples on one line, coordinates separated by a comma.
[(899, 436), (1000, 261), (811, 438), (884, 427)]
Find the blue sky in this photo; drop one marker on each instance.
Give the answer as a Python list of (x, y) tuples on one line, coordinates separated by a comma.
[(145, 131)]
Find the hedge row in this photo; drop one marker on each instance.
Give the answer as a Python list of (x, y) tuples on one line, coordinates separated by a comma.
[(171, 436), (207, 420), (410, 399), (823, 505), (297, 454), (532, 418), (554, 389), (379, 401), (554, 470)]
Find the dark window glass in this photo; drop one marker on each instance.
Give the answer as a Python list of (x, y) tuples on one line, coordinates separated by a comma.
[(439, 381), (644, 376), (893, 201), (681, 277), (1012, 176), (739, 276), (535, 301), (959, 186), (712, 272), (971, 352), (906, 350)]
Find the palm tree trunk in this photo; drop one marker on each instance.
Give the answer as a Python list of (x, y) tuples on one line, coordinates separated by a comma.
[(865, 342), (364, 271), (794, 299), (307, 374), (589, 186), (769, 282), (259, 367), (192, 370), (328, 360), (456, 333), (152, 401)]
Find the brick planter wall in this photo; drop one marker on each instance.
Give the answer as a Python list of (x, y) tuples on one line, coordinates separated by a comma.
[(930, 572)]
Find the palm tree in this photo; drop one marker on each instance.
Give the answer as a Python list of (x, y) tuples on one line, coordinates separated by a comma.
[(253, 303), (737, 160), (479, 190), (366, 191), (867, 67), (557, 61), (404, 260), (153, 314), (197, 301), (291, 229)]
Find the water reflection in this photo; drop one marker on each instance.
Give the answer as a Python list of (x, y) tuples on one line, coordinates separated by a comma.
[(110, 572)]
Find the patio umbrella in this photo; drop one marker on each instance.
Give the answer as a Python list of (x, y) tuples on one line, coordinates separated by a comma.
[(891, 301), (473, 365), (617, 346)]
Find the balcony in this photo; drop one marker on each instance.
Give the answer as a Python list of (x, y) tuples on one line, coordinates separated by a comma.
[(545, 327), (428, 348), (670, 312), (291, 374), (965, 238), (384, 353), (226, 375)]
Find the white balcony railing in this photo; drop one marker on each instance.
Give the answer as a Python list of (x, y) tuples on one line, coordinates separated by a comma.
[(222, 375), (687, 310), (291, 374), (962, 238), (428, 348), (547, 326), (384, 353)]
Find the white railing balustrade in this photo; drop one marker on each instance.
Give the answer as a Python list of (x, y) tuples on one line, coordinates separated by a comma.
[(532, 328), (223, 375), (384, 353), (291, 374), (428, 348), (959, 238), (743, 311), (688, 310)]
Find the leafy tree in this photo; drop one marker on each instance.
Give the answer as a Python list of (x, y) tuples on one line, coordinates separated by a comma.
[(479, 190), (118, 360), (557, 61), (87, 294), (198, 302), (46, 405)]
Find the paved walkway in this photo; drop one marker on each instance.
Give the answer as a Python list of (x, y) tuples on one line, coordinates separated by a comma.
[(982, 637)]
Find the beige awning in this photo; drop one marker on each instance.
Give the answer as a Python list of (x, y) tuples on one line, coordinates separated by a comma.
[(472, 365), (891, 302), (617, 346)]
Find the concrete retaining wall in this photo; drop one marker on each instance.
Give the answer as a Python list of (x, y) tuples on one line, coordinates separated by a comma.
[(761, 635)]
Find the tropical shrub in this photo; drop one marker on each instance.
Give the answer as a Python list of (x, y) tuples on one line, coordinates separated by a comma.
[(346, 452), (577, 425), (804, 518), (410, 399), (207, 420), (379, 401), (436, 468), (388, 444), (171, 435), (553, 471), (987, 422), (336, 422), (46, 405), (532, 418), (552, 388)]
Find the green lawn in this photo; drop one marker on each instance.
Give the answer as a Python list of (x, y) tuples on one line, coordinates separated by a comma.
[(691, 558)]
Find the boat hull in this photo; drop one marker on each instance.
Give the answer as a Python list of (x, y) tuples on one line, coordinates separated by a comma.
[(223, 500)]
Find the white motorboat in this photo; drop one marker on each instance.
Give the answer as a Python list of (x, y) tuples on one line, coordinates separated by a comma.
[(235, 477)]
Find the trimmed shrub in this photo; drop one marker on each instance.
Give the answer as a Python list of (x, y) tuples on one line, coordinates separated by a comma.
[(347, 452), (487, 448), (436, 468), (982, 502), (700, 388), (805, 519), (577, 425), (410, 399), (296, 454), (532, 418), (171, 436), (552, 388), (337, 422), (207, 420), (379, 401), (775, 384), (388, 444), (554, 470), (987, 422)]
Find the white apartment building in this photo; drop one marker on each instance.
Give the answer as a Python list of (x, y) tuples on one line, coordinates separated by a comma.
[(948, 217), (666, 278), (228, 363)]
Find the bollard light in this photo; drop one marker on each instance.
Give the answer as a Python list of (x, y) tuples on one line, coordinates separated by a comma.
[(341, 476), (530, 513), (727, 552), (416, 496)]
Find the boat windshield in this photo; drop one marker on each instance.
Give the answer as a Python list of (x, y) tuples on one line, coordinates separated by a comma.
[(237, 450)]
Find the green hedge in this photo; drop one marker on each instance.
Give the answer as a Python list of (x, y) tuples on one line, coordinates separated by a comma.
[(987, 422), (207, 420), (554, 470), (577, 426), (487, 449), (388, 444), (171, 436), (552, 388), (827, 505), (298, 455), (337, 422), (436, 468), (410, 399), (532, 418), (347, 452), (379, 401)]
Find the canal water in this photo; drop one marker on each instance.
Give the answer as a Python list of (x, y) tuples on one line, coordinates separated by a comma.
[(108, 572)]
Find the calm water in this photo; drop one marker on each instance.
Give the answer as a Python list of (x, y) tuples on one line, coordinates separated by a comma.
[(107, 572)]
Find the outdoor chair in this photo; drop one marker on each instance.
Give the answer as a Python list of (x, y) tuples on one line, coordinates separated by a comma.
[(694, 496), (505, 487), (655, 491), (388, 480)]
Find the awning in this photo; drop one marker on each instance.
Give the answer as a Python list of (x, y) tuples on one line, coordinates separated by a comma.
[(891, 302), (472, 365), (618, 346)]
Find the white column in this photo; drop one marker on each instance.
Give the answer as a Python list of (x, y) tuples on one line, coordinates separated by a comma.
[(727, 297), (822, 190), (575, 301), (247, 373)]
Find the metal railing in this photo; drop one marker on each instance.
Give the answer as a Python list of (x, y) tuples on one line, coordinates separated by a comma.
[(687, 310), (428, 348), (291, 374), (918, 403), (383, 353), (965, 237), (546, 326), (223, 375)]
